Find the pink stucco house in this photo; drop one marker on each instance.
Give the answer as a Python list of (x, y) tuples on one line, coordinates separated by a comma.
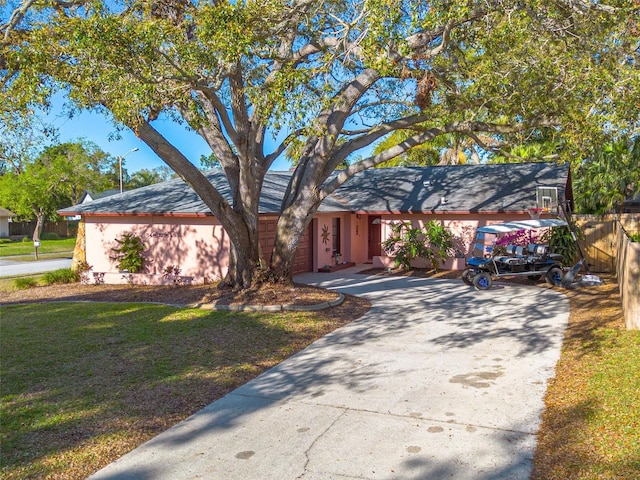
[(179, 230)]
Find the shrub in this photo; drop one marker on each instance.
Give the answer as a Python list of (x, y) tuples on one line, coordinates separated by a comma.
[(634, 237), (50, 236), (82, 267), (64, 275), (129, 253), (5, 240), (433, 242), (173, 272), (26, 239), (25, 282), (561, 241)]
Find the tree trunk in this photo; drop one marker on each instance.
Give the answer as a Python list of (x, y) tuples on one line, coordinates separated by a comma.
[(37, 232), (244, 259), (291, 226), (242, 227), (239, 219), (80, 250)]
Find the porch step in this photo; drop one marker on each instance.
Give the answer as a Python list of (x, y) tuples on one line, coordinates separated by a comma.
[(335, 268)]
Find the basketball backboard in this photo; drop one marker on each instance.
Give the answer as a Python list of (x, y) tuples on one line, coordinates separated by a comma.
[(547, 198)]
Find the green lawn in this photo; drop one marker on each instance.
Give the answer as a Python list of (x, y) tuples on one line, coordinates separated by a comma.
[(591, 424), (83, 383), (47, 247), (614, 387)]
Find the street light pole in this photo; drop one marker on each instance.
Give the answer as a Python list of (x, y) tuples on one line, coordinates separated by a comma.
[(120, 159)]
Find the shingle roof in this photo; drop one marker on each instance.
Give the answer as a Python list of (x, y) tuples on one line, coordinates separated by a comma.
[(467, 188), (6, 213), (175, 197)]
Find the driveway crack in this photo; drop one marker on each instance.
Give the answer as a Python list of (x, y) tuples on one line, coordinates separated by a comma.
[(315, 441)]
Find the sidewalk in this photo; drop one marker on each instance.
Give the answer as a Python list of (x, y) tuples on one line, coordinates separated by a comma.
[(436, 381)]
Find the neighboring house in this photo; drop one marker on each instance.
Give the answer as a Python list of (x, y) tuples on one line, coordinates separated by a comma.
[(91, 196), (179, 230), (88, 196), (5, 215)]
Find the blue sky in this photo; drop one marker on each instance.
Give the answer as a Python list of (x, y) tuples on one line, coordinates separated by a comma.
[(99, 129)]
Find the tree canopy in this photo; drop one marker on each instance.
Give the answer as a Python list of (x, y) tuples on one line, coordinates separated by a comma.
[(21, 140), (330, 77), (57, 178), (609, 176), (147, 176)]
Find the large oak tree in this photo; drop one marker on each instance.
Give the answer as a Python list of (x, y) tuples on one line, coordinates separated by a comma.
[(328, 79)]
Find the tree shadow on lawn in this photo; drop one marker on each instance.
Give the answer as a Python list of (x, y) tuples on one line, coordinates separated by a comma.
[(564, 451), (595, 307), (74, 377)]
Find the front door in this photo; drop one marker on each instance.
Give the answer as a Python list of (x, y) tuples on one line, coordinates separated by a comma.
[(375, 236)]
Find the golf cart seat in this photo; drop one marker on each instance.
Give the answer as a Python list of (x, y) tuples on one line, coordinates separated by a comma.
[(516, 256), (509, 252), (541, 252)]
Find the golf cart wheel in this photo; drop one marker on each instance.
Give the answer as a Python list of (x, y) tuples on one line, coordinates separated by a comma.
[(554, 276), (482, 281), (467, 276)]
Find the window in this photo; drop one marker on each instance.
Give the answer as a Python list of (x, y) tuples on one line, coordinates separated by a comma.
[(336, 235)]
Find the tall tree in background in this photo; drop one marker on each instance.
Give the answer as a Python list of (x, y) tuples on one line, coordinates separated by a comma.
[(333, 76), (57, 178), (448, 149), (609, 176), (145, 177), (539, 147)]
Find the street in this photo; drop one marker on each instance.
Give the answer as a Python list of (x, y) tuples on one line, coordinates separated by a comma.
[(11, 268)]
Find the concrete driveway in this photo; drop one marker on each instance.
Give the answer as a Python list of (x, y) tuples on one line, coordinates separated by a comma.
[(436, 381)]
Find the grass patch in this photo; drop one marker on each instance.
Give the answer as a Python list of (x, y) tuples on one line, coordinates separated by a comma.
[(46, 247), (23, 283), (11, 284), (63, 275), (591, 425), (83, 383)]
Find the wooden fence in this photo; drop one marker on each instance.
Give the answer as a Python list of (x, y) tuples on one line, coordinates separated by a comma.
[(599, 240), (25, 229), (628, 273), (608, 249)]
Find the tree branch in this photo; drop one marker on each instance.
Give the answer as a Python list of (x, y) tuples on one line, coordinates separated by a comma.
[(220, 112), (18, 14), (372, 135), (16, 17), (332, 120), (282, 147), (185, 170), (418, 139)]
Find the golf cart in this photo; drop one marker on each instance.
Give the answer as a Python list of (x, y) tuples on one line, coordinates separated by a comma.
[(533, 261)]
